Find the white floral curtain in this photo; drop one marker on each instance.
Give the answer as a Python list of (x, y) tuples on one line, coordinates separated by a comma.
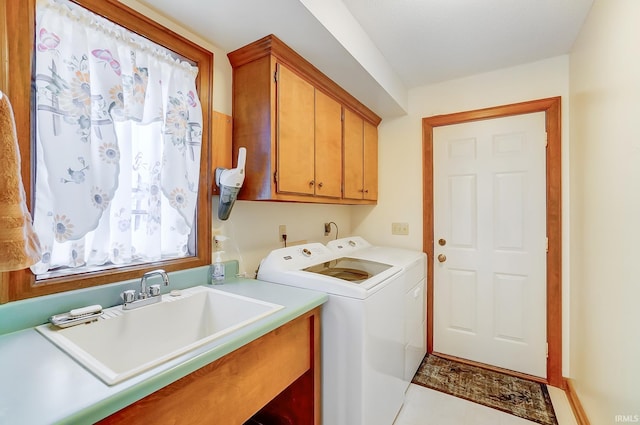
[(118, 143)]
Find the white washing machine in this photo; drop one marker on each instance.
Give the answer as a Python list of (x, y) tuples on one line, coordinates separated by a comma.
[(363, 350), (413, 277)]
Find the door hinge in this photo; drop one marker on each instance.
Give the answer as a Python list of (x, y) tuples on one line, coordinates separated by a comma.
[(546, 139), (275, 177), (547, 245), (275, 76), (547, 350)]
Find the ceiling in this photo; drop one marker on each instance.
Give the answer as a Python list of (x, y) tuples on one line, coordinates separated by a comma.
[(379, 49)]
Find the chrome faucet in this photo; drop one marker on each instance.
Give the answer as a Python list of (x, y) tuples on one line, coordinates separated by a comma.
[(146, 296), (143, 283)]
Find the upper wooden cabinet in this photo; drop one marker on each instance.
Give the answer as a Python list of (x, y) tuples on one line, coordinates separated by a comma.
[(360, 158), (309, 131), (328, 146), (220, 145), (292, 120)]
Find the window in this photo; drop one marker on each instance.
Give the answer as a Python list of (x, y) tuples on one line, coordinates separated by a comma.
[(99, 132)]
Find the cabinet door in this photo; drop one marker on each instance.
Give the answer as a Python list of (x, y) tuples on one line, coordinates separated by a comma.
[(353, 154), (296, 131), (370, 166), (328, 131)]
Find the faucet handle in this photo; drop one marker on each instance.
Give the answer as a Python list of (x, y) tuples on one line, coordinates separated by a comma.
[(128, 296), (154, 290)]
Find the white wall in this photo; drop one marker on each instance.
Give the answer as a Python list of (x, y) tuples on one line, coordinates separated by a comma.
[(605, 219)]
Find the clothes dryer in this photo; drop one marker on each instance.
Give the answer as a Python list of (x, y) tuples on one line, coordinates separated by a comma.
[(413, 277)]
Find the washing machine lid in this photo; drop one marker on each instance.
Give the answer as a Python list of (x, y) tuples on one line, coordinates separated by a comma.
[(357, 247), (352, 270), (314, 266)]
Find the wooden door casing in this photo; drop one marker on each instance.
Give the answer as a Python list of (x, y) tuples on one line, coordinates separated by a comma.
[(551, 107), (489, 211)]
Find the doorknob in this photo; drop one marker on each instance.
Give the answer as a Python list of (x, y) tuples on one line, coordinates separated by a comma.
[(442, 258), (442, 242)]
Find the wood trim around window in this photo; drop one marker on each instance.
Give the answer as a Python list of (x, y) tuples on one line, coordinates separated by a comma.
[(551, 107), (17, 42)]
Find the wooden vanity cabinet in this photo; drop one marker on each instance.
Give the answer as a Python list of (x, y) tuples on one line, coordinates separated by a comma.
[(276, 375), (289, 117)]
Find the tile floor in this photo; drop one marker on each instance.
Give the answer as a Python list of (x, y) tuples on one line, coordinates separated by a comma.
[(423, 406)]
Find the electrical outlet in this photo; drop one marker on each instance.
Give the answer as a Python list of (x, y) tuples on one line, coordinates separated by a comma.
[(327, 229), (282, 230), (399, 228)]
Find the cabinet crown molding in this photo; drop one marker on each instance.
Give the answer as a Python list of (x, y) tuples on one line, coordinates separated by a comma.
[(271, 45)]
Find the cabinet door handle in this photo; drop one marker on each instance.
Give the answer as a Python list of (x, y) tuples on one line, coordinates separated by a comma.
[(312, 182), (320, 185)]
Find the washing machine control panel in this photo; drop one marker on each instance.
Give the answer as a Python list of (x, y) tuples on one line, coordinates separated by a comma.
[(349, 244), (300, 256)]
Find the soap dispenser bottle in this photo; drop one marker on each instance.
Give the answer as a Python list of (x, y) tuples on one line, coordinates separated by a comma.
[(217, 272)]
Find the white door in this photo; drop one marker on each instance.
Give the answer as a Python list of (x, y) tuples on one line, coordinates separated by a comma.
[(489, 183)]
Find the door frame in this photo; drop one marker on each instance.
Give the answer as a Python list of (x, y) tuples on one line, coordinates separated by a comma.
[(551, 108)]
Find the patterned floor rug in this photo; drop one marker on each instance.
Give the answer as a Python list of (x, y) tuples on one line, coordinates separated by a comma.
[(519, 397)]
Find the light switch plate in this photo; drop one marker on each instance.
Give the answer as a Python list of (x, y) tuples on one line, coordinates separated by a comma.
[(399, 228)]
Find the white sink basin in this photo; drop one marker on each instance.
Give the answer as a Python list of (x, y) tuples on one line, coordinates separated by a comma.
[(122, 344)]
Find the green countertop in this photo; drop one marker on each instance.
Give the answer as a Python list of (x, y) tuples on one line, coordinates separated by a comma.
[(41, 384)]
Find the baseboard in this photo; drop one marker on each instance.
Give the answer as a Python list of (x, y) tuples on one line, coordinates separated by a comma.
[(574, 402)]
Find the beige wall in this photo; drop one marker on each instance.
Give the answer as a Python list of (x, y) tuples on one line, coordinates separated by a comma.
[(222, 68), (253, 228), (401, 150), (605, 219)]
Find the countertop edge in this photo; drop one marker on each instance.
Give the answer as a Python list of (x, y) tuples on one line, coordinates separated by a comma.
[(297, 301)]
